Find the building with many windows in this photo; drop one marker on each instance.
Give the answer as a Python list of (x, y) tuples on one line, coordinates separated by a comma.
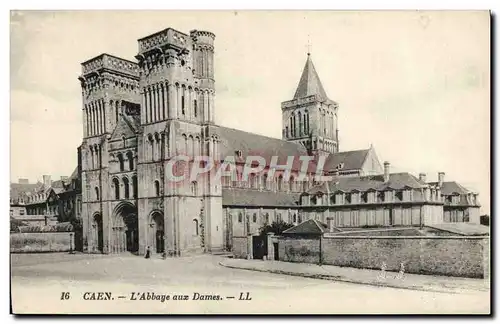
[(140, 115)]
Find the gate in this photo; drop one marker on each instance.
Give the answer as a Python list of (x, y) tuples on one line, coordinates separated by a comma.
[(259, 246)]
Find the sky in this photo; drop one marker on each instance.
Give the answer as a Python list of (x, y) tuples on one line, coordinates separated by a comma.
[(415, 84)]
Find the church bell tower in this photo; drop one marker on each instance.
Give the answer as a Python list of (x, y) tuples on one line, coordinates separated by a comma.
[(310, 118)]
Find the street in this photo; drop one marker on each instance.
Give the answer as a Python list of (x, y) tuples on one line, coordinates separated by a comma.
[(63, 283)]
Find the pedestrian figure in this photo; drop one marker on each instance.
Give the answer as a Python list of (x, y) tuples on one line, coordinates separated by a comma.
[(382, 275), (148, 253), (401, 273), (164, 255)]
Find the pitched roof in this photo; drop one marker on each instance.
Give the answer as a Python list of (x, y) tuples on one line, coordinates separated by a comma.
[(351, 160), (127, 126), (309, 83), (375, 182), (310, 226), (248, 197), (18, 190), (451, 187), (74, 175), (468, 229), (233, 140)]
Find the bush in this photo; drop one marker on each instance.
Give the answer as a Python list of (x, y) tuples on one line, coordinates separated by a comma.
[(276, 227)]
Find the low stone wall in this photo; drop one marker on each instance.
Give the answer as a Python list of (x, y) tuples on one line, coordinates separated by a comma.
[(447, 255), (240, 247), (42, 242)]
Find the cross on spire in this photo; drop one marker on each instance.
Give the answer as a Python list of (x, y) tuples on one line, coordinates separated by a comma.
[(308, 45)]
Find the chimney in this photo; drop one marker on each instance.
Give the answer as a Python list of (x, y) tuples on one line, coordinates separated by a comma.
[(422, 177), (24, 181), (440, 178), (387, 170), (46, 181)]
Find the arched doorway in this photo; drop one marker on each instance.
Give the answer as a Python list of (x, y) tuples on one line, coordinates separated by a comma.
[(125, 230), (157, 233), (97, 238)]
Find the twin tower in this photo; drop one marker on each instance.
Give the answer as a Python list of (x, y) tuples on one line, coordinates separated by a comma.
[(138, 115)]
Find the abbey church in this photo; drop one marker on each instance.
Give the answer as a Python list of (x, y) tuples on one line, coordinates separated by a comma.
[(138, 115)]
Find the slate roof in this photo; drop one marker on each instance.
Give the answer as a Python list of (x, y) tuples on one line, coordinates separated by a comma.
[(233, 140), (451, 187), (248, 197), (309, 83), (364, 183), (352, 160), (19, 189), (127, 125), (468, 229), (310, 226), (74, 175)]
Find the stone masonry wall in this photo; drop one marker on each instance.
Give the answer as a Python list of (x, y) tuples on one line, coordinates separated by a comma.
[(451, 256)]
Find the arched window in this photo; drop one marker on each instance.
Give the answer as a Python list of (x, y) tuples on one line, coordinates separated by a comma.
[(195, 108), (240, 217), (195, 227), (120, 160), (130, 158), (116, 184), (123, 140), (264, 181), (300, 123), (267, 218), (294, 218), (134, 183), (157, 188), (126, 188), (194, 188), (300, 219), (280, 183), (252, 180), (305, 123), (292, 183), (151, 146), (97, 197), (333, 199), (254, 217)]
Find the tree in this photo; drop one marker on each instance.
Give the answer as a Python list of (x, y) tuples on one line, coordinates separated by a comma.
[(277, 227)]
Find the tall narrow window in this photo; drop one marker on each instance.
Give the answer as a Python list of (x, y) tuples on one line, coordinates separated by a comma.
[(97, 197), (240, 217), (126, 188), (134, 184), (300, 123), (116, 184), (195, 227), (305, 123), (195, 108), (280, 183), (130, 158), (157, 188), (254, 217), (264, 180), (120, 160), (194, 188), (182, 105)]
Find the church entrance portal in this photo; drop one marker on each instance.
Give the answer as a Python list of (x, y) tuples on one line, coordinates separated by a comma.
[(125, 230), (157, 236), (97, 233)]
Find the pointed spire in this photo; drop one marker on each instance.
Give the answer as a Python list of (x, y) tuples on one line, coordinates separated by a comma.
[(309, 83)]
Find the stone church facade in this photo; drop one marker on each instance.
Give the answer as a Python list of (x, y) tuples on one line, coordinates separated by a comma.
[(139, 115)]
